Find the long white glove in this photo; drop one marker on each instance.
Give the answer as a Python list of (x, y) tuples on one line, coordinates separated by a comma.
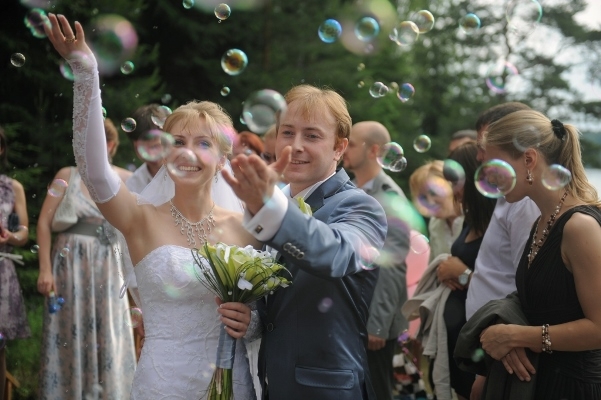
[(89, 139)]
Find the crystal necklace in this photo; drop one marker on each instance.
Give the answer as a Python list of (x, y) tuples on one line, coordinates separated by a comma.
[(193, 229), (536, 245)]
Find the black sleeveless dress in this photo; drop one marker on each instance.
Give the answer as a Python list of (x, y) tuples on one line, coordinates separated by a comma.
[(548, 296)]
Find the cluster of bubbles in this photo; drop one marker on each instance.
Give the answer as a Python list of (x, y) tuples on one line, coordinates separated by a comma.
[(392, 157), (498, 75), (35, 20), (17, 60), (523, 16), (234, 61), (469, 23), (132, 317), (222, 12), (329, 31), (57, 188), (262, 109), (378, 89)]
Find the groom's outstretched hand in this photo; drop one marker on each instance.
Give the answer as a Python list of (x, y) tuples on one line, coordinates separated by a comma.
[(235, 317), (253, 180)]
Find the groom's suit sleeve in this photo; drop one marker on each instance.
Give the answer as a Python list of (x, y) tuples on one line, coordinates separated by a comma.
[(346, 244)]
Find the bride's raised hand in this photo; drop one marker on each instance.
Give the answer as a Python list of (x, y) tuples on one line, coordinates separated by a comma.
[(66, 43)]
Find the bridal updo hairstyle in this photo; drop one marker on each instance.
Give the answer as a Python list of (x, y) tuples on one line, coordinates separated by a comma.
[(219, 122), (555, 142)]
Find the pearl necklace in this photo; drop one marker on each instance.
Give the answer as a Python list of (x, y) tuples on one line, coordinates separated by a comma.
[(536, 246), (192, 229)]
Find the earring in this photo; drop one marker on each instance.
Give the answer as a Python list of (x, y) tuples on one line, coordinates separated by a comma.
[(217, 175), (529, 178)]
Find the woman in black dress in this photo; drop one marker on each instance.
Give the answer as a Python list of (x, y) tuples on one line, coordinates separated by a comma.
[(455, 271), (559, 275)]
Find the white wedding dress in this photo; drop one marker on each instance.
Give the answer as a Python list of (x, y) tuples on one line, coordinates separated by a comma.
[(180, 314), (182, 330)]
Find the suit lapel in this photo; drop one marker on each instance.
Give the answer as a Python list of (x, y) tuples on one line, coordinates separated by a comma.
[(327, 189)]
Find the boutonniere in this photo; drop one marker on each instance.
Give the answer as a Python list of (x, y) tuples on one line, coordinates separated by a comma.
[(304, 207)]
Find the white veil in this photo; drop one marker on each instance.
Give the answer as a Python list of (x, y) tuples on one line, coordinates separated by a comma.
[(160, 190)]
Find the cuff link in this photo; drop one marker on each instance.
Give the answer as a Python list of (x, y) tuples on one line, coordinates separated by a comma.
[(258, 229)]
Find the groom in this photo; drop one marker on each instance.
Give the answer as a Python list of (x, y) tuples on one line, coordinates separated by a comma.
[(315, 337)]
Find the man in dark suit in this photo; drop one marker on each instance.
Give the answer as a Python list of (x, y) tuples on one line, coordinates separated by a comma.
[(315, 337), (385, 321)]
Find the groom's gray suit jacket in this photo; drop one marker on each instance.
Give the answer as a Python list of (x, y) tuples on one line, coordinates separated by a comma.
[(315, 337)]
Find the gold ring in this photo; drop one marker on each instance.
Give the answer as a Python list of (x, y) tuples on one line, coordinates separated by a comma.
[(70, 40)]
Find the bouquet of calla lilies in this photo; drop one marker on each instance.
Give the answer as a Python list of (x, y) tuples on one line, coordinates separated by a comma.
[(234, 274)]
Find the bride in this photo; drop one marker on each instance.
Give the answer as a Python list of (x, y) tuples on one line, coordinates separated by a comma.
[(181, 319)]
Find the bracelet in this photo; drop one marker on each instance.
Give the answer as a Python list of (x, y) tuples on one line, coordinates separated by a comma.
[(546, 339)]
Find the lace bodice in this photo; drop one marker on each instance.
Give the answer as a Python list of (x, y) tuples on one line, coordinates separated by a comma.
[(182, 330)]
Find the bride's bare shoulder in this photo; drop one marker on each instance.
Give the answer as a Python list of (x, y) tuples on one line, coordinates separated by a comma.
[(230, 223)]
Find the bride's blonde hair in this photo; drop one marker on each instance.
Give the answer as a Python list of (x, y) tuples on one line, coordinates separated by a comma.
[(219, 122)]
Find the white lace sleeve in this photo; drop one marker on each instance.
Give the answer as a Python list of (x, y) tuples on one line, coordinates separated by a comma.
[(89, 139)]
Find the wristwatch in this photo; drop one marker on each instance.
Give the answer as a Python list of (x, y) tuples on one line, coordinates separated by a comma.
[(464, 278)]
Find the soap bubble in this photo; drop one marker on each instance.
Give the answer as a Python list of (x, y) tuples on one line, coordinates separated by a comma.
[(166, 98), (159, 115), (182, 162), (366, 29), (154, 145), (127, 68), (113, 40), (188, 4), (390, 155), (234, 61), (329, 31), (224, 91), (262, 109), (35, 248), (360, 67), (66, 70), (406, 92), (223, 11), (103, 113), (498, 75), (422, 143), (325, 304), (432, 196), (17, 59), (57, 188), (367, 257), (35, 20), (424, 21), (132, 317), (523, 16), (556, 177), (405, 34), (478, 355), (454, 173), (360, 84), (128, 124), (469, 23), (378, 89), (495, 178), (418, 243), (64, 252)]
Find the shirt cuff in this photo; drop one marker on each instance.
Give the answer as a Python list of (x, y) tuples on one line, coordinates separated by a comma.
[(265, 223)]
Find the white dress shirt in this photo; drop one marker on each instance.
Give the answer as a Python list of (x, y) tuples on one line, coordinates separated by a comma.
[(500, 253), (267, 221)]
